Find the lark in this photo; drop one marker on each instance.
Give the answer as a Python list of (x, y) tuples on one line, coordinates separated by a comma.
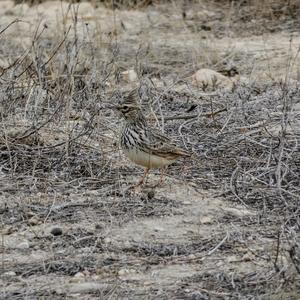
[(142, 144)]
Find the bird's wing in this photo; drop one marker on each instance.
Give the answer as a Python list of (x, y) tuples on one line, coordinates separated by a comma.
[(160, 144)]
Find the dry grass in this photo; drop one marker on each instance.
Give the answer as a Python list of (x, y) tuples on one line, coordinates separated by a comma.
[(60, 165)]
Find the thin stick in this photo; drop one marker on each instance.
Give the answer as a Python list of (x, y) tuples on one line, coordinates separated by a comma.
[(193, 116), (218, 246)]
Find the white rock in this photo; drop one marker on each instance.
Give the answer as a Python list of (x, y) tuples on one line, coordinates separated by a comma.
[(247, 257), (158, 229), (23, 245), (123, 272), (206, 220), (127, 244), (33, 221), (9, 273), (187, 202), (129, 75), (232, 259), (191, 256), (107, 240), (212, 80), (79, 275)]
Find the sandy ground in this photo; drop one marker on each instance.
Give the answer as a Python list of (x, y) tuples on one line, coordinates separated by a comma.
[(179, 241)]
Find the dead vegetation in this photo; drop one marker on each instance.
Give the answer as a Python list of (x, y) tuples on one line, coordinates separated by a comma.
[(227, 228)]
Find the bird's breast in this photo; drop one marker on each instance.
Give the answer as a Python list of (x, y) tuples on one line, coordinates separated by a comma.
[(146, 160)]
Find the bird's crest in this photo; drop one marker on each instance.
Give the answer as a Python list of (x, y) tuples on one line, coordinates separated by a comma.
[(129, 105), (130, 98)]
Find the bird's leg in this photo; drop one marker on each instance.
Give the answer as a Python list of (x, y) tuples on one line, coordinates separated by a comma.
[(137, 188), (162, 175), (141, 181)]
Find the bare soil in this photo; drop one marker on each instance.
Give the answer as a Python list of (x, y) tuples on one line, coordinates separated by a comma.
[(223, 227)]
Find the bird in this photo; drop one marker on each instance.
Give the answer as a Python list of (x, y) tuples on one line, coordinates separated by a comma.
[(143, 145)]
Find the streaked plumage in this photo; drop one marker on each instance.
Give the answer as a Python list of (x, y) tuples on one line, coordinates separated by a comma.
[(142, 144)]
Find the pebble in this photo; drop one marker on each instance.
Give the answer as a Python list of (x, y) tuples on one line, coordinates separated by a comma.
[(107, 240), (187, 202), (10, 273), (206, 220), (151, 194), (31, 214), (56, 231), (191, 256), (33, 221), (158, 229), (79, 275), (127, 244), (23, 245), (123, 272), (99, 226), (129, 75), (247, 257), (211, 79)]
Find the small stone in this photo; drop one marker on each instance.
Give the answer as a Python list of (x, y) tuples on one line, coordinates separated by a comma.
[(76, 280), (23, 245), (157, 229), (10, 273), (127, 244), (99, 226), (86, 273), (79, 275), (132, 271), (210, 79), (191, 256), (56, 231), (206, 220), (107, 240), (33, 221), (129, 75), (123, 272), (247, 257), (151, 194), (30, 214), (187, 202)]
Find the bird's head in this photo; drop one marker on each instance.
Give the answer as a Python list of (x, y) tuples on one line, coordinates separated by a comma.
[(129, 107)]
